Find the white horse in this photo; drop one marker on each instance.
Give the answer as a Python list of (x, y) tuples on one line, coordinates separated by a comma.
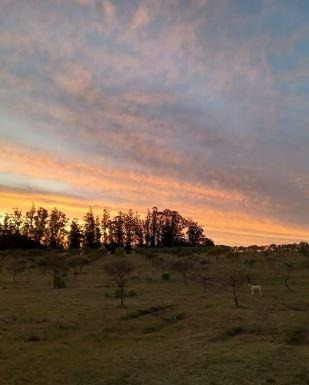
[(254, 288)]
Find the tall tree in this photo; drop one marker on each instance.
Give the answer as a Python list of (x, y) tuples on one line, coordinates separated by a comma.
[(35, 224), (117, 230), (105, 223), (138, 231), (97, 233), (56, 229), (147, 228), (89, 229), (75, 235), (129, 230), (195, 233)]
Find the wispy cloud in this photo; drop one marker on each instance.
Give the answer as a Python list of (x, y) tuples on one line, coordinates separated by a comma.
[(198, 105)]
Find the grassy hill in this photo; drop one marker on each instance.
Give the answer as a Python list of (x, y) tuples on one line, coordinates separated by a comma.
[(168, 333)]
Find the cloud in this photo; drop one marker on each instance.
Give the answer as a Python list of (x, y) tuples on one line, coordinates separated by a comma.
[(109, 9), (190, 104), (75, 82), (141, 17)]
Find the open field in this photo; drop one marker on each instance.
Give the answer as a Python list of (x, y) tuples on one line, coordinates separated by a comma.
[(167, 334)]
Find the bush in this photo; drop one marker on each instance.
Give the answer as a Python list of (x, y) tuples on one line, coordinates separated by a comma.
[(299, 336), (129, 293), (59, 283), (165, 276)]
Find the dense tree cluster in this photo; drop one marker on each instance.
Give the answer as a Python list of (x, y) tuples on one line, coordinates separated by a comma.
[(302, 248), (40, 228)]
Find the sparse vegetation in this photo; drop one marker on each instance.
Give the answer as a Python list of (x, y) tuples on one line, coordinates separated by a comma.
[(166, 323)]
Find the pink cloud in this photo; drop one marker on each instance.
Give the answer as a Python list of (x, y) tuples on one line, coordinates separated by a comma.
[(74, 82)]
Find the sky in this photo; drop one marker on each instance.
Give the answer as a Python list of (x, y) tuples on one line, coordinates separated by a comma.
[(199, 106)]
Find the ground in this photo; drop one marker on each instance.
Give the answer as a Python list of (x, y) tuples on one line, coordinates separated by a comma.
[(167, 334)]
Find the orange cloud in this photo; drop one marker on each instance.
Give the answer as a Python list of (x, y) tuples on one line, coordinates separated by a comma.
[(123, 189), (141, 17)]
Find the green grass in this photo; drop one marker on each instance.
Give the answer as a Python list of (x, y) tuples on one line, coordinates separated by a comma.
[(168, 334)]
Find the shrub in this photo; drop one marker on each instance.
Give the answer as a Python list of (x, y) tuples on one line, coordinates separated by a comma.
[(153, 328), (299, 336), (131, 293), (165, 276), (59, 283)]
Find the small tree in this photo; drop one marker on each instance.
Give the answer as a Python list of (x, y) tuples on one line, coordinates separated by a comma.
[(201, 275), (57, 266), (304, 251), (120, 271), (288, 268), (218, 252), (234, 275), (16, 264), (184, 266), (250, 268), (77, 263)]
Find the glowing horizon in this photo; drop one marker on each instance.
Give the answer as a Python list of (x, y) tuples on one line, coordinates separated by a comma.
[(196, 106)]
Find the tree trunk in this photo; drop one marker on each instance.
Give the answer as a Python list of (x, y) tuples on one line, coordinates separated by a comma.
[(14, 277), (122, 295), (235, 294), (287, 284), (204, 287)]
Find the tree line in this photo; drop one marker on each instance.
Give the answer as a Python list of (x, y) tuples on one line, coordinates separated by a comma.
[(39, 228)]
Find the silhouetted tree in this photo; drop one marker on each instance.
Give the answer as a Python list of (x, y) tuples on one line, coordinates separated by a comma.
[(75, 235), (97, 234), (105, 227), (90, 230), (195, 234), (138, 231), (38, 228), (129, 230), (35, 224), (117, 230), (147, 229), (55, 232)]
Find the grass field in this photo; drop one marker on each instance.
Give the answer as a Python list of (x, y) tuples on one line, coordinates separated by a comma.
[(169, 333)]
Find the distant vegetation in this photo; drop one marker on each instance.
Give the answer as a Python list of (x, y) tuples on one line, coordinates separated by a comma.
[(38, 228)]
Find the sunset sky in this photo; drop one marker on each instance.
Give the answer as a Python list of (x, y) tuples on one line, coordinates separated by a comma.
[(200, 106)]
